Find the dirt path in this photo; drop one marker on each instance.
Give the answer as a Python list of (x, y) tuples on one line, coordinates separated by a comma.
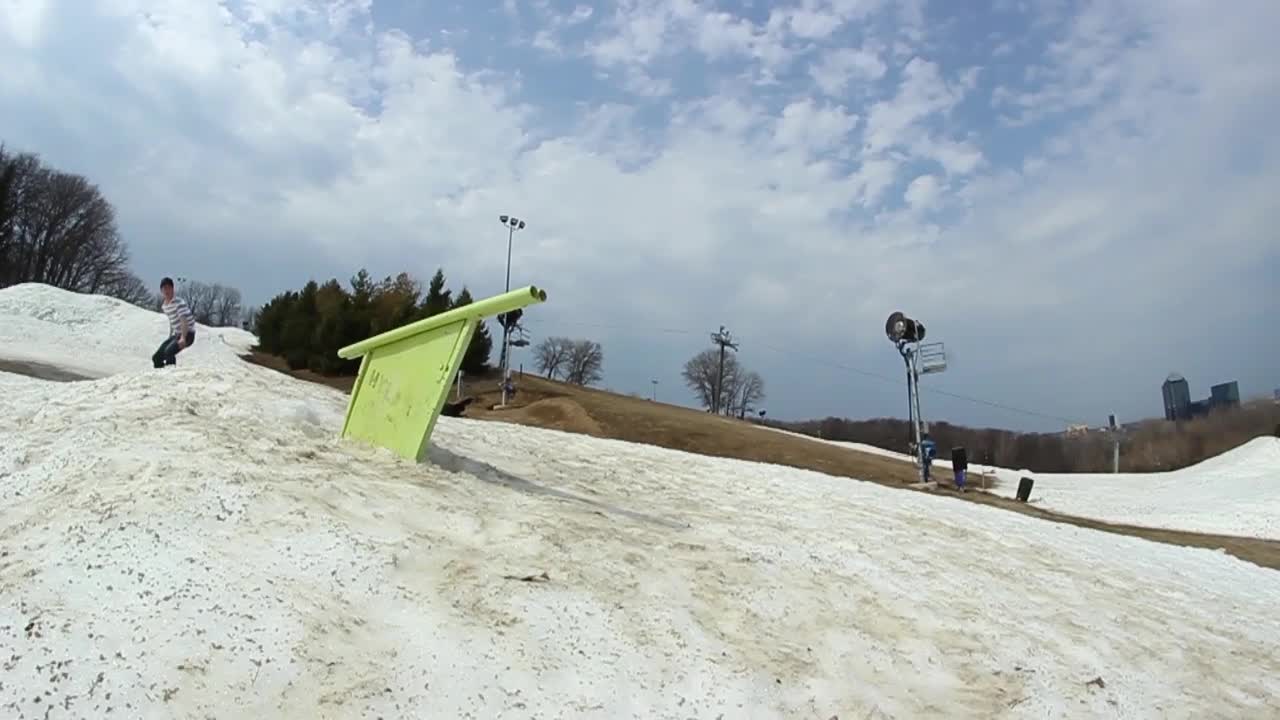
[(603, 414)]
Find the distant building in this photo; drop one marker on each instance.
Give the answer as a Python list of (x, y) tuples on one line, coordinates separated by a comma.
[(1178, 404), (1199, 408), (1225, 394), (1177, 397)]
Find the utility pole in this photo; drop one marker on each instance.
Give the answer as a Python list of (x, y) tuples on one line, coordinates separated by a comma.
[(1115, 442), (512, 224), (724, 340)]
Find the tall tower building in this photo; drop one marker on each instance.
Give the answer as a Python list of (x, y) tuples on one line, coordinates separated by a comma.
[(1177, 397)]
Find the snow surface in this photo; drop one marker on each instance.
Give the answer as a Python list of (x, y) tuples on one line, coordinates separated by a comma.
[(197, 542), (1235, 493), (94, 335)]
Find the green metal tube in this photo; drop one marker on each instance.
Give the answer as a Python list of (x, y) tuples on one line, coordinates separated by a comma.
[(488, 307)]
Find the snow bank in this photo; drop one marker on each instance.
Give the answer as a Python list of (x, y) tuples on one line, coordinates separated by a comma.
[(1235, 493), (95, 335), (197, 542)]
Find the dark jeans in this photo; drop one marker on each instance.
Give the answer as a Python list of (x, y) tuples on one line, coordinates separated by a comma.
[(167, 353)]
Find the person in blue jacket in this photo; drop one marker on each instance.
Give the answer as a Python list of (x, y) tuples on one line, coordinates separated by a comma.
[(927, 451)]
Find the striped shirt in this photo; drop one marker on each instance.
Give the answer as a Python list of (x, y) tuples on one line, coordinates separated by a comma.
[(177, 311)]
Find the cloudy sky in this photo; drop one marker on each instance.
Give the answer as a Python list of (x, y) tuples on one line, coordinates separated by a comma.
[(1076, 197)]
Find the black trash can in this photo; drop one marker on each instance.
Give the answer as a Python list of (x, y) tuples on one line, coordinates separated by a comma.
[(1024, 489)]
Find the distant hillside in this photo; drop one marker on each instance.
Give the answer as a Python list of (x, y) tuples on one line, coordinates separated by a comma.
[(1148, 446)]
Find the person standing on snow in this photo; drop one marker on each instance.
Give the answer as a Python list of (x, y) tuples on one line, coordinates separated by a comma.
[(927, 451), (182, 326)]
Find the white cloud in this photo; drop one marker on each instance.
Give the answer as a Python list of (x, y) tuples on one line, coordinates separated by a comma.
[(556, 22), (309, 140), (921, 94), (813, 129), (812, 24), (922, 194), (639, 34), (819, 19), (839, 68)]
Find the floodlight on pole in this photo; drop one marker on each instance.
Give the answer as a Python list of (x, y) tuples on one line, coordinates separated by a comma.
[(512, 223), (920, 359)]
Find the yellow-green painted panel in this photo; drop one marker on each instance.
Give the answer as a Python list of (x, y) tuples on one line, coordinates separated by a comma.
[(403, 385), (405, 373)]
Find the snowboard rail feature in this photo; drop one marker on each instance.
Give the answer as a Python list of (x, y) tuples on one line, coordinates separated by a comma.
[(405, 373)]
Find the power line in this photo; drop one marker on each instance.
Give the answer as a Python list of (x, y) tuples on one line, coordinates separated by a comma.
[(830, 363), (935, 391), (613, 326)]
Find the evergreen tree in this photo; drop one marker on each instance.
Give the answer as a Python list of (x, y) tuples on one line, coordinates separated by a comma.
[(333, 305), (297, 334), (362, 287), (438, 299), (358, 321), (269, 324), (476, 360), (395, 303)]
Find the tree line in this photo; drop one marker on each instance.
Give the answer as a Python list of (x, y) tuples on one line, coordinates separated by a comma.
[(1150, 446), (56, 228), (307, 327)]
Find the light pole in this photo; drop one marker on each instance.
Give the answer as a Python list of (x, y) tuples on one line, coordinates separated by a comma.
[(655, 390), (512, 224)]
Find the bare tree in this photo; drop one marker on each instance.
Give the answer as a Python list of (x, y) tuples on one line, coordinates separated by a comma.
[(226, 306), (551, 355), (17, 178), (132, 289), (700, 374), (57, 229), (215, 305), (201, 298), (748, 390), (585, 363)]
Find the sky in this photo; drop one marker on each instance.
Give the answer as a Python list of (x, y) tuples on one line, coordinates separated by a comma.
[(1077, 198)]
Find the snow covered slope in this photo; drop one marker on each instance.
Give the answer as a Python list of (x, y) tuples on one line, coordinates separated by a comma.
[(1235, 493), (218, 551), (95, 335)]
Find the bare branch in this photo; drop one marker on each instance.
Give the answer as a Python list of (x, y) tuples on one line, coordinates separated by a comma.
[(586, 359)]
